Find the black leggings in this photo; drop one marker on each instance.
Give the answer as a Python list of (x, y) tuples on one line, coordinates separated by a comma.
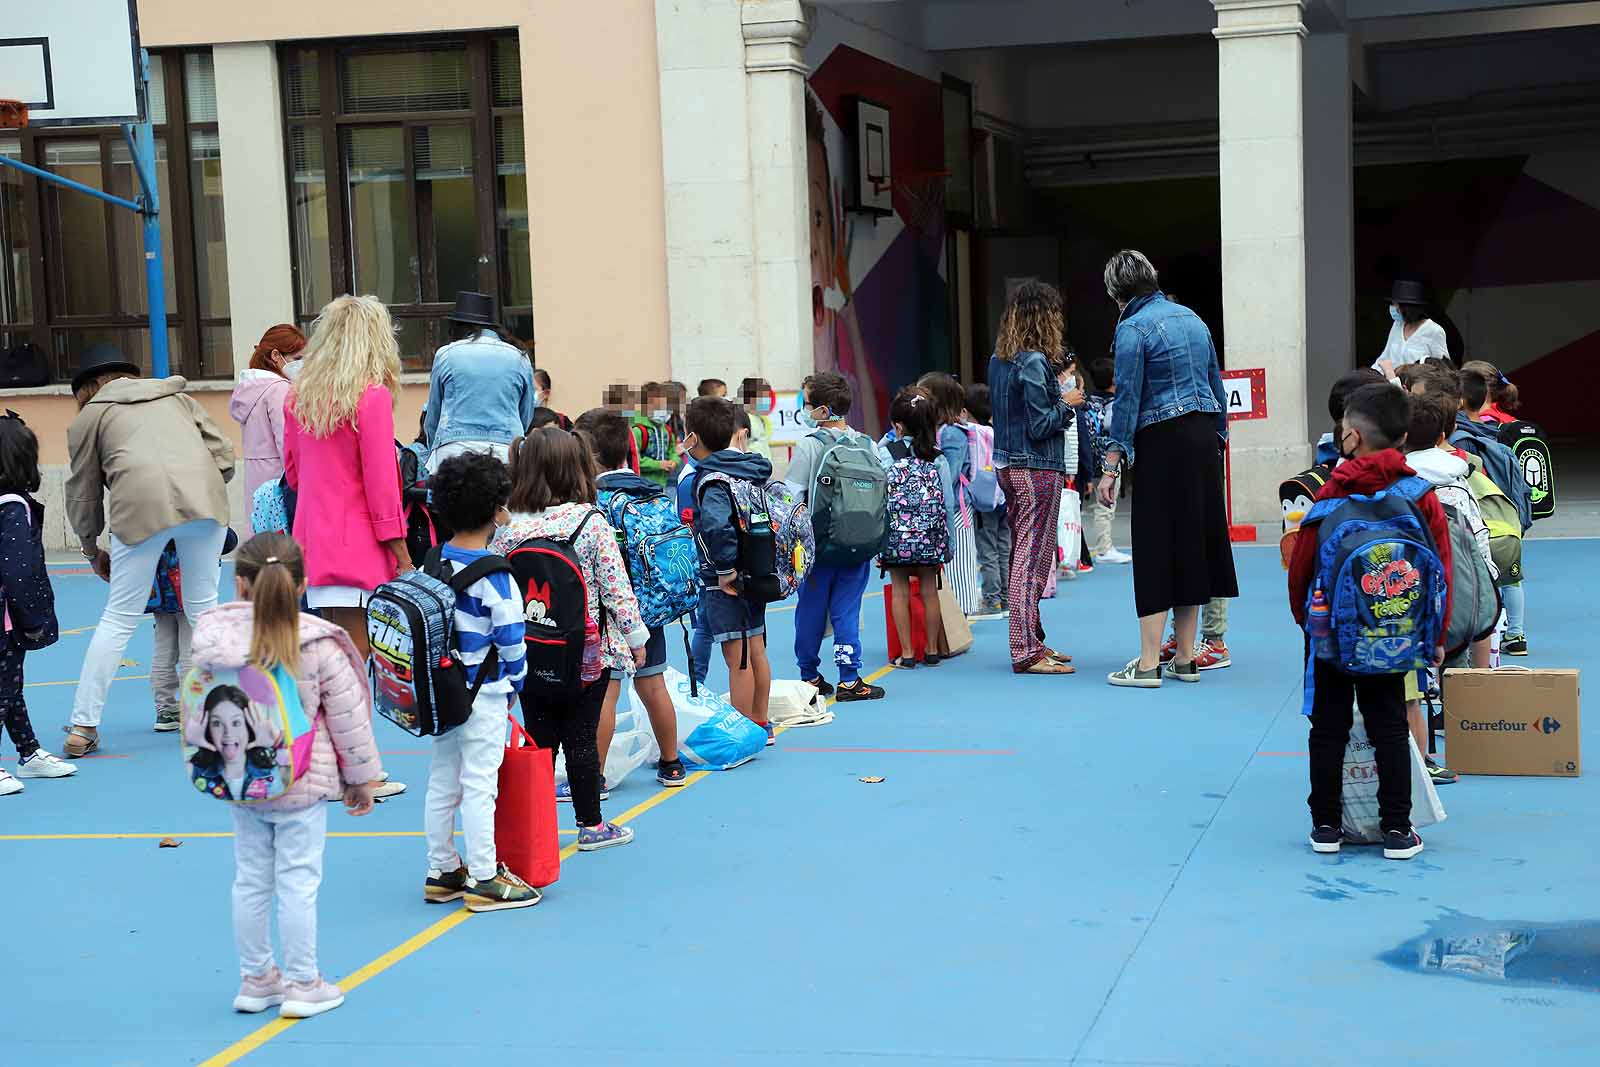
[(13, 709), (571, 723)]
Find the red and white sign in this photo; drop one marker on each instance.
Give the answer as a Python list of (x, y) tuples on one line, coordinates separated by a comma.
[(1246, 393)]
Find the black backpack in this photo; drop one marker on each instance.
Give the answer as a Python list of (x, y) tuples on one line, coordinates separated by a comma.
[(424, 530), (556, 621), (24, 366)]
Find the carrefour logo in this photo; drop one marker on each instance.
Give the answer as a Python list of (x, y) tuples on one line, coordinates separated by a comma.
[(1546, 725)]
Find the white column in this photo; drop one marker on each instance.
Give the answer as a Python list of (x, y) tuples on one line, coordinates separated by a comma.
[(1261, 160), (255, 203), (1330, 222)]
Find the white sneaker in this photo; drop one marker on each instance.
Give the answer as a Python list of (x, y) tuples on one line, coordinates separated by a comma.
[(43, 764), (303, 1001), (1116, 555), (387, 789), (8, 784)]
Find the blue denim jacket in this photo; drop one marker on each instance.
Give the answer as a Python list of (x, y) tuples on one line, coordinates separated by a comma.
[(481, 389), (1166, 367), (1030, 418)]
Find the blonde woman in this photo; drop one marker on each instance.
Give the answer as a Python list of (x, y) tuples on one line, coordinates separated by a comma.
[(338, 454)]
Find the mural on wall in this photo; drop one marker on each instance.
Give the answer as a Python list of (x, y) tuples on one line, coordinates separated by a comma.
[(879, 301)]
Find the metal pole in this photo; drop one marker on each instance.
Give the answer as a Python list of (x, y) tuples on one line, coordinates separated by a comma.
[(67, 183), (142, 142)]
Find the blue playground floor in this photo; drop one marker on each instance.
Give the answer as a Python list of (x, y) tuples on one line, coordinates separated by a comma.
[(1053, 871)]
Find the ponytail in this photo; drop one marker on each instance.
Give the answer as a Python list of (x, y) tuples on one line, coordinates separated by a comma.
[(274, 571)]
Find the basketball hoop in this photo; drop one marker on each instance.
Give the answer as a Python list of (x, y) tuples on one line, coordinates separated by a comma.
[(13, 115)]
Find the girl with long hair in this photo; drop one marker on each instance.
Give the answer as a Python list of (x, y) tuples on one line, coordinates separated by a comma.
[(921, 501)]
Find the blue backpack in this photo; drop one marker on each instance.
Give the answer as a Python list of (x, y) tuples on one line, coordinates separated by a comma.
[(663, 563), (1502, 467), (1379, 572)]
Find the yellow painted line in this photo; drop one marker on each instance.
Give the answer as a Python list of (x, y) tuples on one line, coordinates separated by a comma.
[(213, 833), (74, 681)]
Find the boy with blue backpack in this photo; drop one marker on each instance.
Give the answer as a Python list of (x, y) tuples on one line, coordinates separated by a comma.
[(1369, 581), (836, 473)]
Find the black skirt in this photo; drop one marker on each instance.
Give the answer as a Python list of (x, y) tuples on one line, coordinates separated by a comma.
[(1181, 552)]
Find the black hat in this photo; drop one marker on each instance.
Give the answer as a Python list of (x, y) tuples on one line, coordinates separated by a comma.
[(474, 308), (1408, 293), (101, 359)]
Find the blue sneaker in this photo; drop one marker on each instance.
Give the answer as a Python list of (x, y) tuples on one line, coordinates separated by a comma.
[(606, 835), (670, 773), (564, 791), (772, 737)]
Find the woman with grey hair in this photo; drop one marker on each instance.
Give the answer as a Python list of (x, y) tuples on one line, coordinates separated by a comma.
[(1170, 419)]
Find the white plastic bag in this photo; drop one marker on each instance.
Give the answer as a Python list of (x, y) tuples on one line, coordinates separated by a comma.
[(1069, 529), (712, 734), (1361, 824), (797, 703), (632, 746)]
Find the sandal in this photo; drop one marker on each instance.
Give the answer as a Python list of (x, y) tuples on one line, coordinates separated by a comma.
[(81, 740), (904, 663), (1059, 657), (1046, 665)]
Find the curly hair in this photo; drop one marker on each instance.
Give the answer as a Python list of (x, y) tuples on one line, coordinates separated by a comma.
[(1032, 322), (352, 348), (468, 488)]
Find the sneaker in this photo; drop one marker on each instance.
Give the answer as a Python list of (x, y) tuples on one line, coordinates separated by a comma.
[(857, 690), (992, 609), (1514, 646), (820, 684), (8, 784), (166, 722), (1085, 568), (1440, 774), (564, 791), (1115, 556), (1326, 839), (43, 764), (606, 835), (1212, 655), (304, 1000), (1169, 651), (772, 735), (258, 992), (1182, 672), (1401, 845), (444, 886), (1131, 677), (501, 893), (670, 773)]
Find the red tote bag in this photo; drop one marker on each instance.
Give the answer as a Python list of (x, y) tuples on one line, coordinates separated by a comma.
[(525, 836)]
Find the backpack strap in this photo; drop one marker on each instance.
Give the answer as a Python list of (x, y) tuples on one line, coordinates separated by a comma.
[(1413, 487), (462, 580), (898, 449)]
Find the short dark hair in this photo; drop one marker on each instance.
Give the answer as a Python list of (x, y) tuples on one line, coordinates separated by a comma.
[(650, 389), (541, 378), (711, 418), (751, 388), (545, 417), (1347, 384), (979, 406), (1381, 411), (468, 488), (741, 419), (19, 456), (609, 436), (826, 387), (1413, 312), (1103, 372), (1441, 380), (1429, 422), (1474, 389), (709, 386), (551, 466)]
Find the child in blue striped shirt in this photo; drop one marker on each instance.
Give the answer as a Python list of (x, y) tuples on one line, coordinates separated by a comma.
[(472, 490)]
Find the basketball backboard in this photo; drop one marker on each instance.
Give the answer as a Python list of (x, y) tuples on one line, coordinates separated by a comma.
[(73, 62)]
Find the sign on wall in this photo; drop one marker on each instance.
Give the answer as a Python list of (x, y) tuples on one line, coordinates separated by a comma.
[(1246, 393)]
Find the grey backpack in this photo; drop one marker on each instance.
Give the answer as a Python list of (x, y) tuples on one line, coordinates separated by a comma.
[(1474, 601), (848, 496)]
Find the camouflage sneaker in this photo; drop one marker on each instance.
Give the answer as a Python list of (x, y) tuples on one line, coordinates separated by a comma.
[(501, 893), (167, 720)]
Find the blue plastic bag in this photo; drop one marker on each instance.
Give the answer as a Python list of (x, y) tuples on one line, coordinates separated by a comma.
[(713, 735)]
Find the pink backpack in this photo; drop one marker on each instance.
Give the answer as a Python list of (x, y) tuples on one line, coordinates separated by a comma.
[(981, 489)]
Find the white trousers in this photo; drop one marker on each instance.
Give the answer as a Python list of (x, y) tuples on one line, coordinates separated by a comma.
[(461, 448), (465, 774), (277, 854), (133, 569), (169, 662)]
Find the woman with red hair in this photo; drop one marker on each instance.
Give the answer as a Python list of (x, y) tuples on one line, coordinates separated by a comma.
[(257, 406)]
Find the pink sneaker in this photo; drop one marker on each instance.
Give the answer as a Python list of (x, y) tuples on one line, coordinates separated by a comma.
[(303, 1000), (258, 992)]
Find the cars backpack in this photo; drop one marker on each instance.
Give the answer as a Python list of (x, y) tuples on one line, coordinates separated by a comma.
[(919, 531), (663, 564), (1474, 601), (847, 499), (1532, 451), (1379, 580), (246, 737), (777, 544), (418, 680), (563, 639), (982, 488)]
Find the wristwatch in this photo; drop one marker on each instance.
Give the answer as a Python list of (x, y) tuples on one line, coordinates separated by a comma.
[(89, 552)]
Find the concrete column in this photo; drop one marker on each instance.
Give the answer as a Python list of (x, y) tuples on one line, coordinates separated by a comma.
[(1261, 160), (1330, 222), (255, 203)]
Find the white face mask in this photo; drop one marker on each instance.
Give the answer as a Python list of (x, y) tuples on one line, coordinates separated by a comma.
[(661, 414), (538, 398), (291, 370), (1072, 382)]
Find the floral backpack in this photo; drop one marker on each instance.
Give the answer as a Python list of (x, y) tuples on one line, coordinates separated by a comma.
[(919, 532)]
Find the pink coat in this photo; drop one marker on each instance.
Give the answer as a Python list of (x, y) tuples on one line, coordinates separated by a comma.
[(333, 690), (257, 406), (349, 486)]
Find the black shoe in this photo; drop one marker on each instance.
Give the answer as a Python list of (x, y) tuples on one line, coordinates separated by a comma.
[(1440, 774), (930, 660), (1401, 844), (858, 690), (903, 663), (670, 773), (1326, 839), (820, 684), (1515, 646)]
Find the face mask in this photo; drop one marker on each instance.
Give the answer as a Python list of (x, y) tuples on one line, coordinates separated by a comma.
[(1394, 313), (291, 370), (538, 398), (660, 415), (1072, 382), (1343, 437), (764, 406), (808, 420)]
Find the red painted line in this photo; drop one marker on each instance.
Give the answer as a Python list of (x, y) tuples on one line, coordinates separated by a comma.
[(408, 752), (1283, 753), (71, 570), (912, 751)]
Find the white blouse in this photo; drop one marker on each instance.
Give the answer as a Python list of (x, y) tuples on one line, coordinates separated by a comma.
[(1426, 343)]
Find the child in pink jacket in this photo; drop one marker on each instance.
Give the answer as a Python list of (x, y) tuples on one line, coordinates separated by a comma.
[(278, 843)]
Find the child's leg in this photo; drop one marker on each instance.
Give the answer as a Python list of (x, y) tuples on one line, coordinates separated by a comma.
[(652, 690), (1383, 709), (810, 619), (253, 863), (741, 683), (1214, 621), (900, 609), (1331, 718), (483, 748), (579, 722), (606, 727), (932, 621), (1516, 602), (1481, 653), (761, 679), (1417, 722), (298, 846), (13, 708), (444, 798), (354, 622), (844, 608), (164, 663)]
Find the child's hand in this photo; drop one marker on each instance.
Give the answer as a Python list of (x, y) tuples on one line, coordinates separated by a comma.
[(728, 583), (358, 798), (640, 654), (1438, 656)]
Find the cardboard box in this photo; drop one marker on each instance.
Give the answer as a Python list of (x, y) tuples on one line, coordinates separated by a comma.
[(1512, 722)]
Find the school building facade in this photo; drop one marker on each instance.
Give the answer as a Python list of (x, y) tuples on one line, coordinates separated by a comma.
[(690, 188)]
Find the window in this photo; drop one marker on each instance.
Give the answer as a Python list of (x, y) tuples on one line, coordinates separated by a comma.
[(73, 268), (407, 178)]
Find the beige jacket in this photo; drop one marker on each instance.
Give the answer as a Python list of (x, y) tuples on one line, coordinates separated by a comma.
[(158, 454)]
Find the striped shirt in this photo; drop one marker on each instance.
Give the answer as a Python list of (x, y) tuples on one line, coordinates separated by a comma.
[(490, 612)]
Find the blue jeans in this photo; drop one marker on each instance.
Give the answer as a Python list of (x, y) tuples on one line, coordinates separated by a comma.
[(1516, 604), (831, 593), (700, 647)]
